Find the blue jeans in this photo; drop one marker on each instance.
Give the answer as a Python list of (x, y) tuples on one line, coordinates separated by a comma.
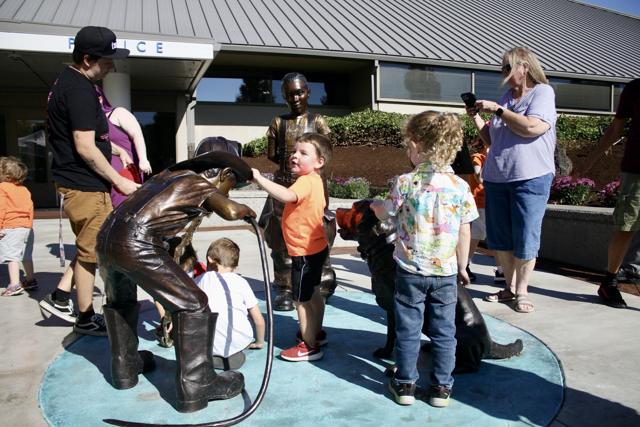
[(438, 295), (514, 212)]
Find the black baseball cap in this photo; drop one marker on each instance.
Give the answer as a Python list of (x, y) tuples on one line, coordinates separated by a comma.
[(98, 41)]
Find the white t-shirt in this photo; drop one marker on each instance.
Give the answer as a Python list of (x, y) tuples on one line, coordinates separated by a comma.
[(232, 303)]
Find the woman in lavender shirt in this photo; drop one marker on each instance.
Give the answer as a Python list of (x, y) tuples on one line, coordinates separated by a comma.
[(518, 171)]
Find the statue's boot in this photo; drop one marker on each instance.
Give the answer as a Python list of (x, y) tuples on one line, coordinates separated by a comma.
[(328, 281), (196, 380), (126, 361), (282, 283)]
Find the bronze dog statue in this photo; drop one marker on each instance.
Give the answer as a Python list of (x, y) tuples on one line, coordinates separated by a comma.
[(375, 244)]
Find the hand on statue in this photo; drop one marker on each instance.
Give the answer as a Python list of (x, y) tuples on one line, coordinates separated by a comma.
[(126, 186), (145, 166)]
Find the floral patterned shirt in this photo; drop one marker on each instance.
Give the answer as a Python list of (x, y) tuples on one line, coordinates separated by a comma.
[(429, 206)]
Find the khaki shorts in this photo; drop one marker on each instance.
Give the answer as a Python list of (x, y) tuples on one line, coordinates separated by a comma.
[(626, 215), (87, 211)]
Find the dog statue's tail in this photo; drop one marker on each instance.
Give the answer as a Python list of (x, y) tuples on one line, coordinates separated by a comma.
[(505, 351)]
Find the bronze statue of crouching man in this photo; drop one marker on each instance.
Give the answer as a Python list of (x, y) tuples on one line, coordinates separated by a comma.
[(131, 250)]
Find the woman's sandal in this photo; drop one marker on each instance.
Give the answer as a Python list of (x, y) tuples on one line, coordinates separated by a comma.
[(500, 296), (524, 304)]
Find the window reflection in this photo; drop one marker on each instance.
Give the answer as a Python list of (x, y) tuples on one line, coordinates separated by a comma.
[(488, 85), (261, 90), (32, 148), (423, 83), (581, 94)]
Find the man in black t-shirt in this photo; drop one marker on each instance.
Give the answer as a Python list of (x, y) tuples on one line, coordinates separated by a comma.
[(78, 136)]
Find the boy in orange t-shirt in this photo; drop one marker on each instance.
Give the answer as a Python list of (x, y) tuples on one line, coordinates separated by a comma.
[(16, 223), (304, 236)]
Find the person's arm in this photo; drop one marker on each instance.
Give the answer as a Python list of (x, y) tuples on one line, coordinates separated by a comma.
[(462, 252), (259, 324), (124, 156), (483, 129), (277, 191), (611, 135), (521, 125), (227, 208), (127, 122), (84, 141)]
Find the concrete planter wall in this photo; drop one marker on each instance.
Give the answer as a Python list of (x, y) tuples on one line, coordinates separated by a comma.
[(576, 235)]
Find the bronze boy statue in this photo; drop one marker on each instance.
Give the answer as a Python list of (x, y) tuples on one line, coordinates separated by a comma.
[(281, 137), (132, 250)]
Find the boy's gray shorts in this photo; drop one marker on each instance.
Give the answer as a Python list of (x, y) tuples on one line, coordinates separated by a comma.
[(16, 245)]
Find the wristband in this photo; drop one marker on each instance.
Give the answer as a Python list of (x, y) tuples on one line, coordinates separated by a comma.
[(499, 112)]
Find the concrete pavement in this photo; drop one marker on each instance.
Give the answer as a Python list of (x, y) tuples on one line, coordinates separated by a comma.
[(598, 346)]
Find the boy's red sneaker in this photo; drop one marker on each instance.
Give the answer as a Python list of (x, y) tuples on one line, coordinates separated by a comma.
[(302, 353), (321, 337)]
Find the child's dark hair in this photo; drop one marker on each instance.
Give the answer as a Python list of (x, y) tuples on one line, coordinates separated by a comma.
[(439, 136), (224, 252), (322, 144), (13, 170), (291, 77)]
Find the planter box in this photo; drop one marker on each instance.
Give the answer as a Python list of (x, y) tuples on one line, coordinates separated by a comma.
[(576, 235)]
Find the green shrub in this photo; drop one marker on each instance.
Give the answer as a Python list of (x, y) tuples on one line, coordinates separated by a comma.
[(255, 148), (380, 128), (349, 188), (367, 127), (576, 132), (566, 190)]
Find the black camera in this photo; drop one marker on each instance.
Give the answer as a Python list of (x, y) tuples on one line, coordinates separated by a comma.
[(469, 99)]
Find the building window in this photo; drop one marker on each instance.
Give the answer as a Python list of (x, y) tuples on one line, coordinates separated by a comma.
[(423, 83), (267, 91), (617, 90), (487, 85), (581, 94)]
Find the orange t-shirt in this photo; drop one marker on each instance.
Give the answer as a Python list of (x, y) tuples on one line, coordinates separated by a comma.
[(302, 222), (16, 207), (477, 189)]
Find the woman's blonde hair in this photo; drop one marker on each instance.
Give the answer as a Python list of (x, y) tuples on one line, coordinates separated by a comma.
[(438, 135), (522, 55), (13, 170)]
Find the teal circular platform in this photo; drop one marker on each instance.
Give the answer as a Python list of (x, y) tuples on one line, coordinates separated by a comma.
[(346, 388)]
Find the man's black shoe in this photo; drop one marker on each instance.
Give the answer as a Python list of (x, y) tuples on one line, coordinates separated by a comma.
[(611, 296)]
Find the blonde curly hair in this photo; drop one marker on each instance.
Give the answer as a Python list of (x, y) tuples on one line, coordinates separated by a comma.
[(438, 135), (13, 170)]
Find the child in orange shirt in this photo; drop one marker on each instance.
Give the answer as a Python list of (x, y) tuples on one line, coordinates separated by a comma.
[(478, 226), (16, 225), (304, 236)]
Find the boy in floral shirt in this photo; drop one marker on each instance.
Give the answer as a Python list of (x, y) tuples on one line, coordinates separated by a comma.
[(432, 208)]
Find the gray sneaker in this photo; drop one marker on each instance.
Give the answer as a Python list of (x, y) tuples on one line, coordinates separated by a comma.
[(63, 310), (94, 326)]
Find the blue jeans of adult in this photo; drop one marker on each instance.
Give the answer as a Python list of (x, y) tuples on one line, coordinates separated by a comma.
[(514, 212), (437, 295)]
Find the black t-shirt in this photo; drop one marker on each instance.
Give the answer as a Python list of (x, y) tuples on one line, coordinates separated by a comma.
[(629, 108), (73, 105)]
